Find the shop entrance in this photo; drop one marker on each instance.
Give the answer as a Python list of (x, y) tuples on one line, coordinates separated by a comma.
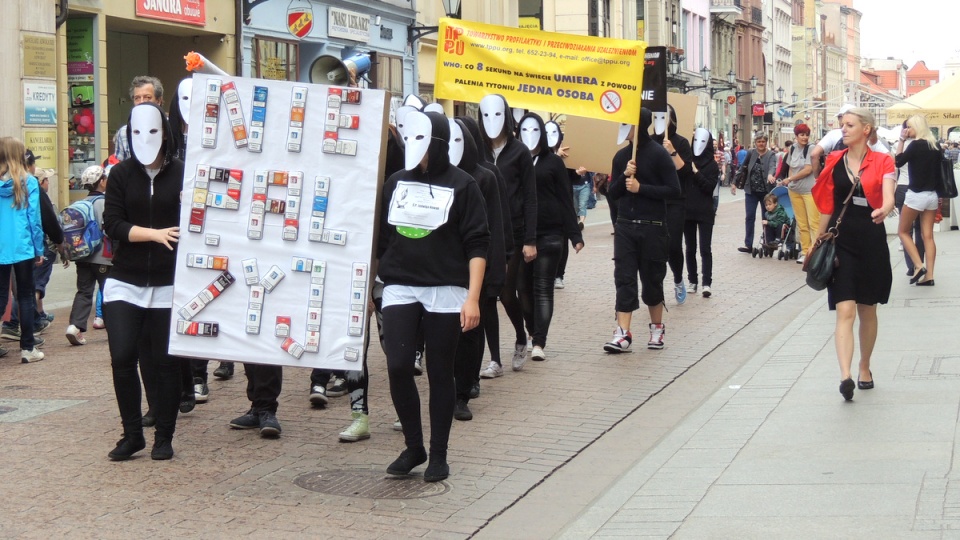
[(126, 58)]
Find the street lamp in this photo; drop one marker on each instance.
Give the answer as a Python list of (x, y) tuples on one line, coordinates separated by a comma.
[(705, 74), (753, 87), (452, 10)]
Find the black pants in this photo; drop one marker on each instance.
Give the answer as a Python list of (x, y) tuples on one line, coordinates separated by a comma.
[(129, 328), (510, 295), (441, 332), (639, 249), (613, 206), (564, 255), (675, 219), (490, 321), (264, 383), (89, 275), (470, 351), (322, 377), (690, 230), (536, 287), (23, 273)]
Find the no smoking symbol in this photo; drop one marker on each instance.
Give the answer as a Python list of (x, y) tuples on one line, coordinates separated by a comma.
[(610, 101)]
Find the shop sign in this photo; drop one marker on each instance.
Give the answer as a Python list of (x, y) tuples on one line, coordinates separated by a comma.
[(39, 56), (348, 25), (179, 11), (299, 18), (80, 50), (758, 109), (43, 143), (39, 103)]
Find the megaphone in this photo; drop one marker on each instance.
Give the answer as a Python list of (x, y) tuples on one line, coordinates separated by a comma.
[(328, 69)]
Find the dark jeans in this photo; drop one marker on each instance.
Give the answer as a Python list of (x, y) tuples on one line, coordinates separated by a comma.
[(675, 219), (441, 333), (23, 274), (536, 287), (690, 230), (89, 275), (639, 249), (751, 202), (264, 383), (130, 328), (900, 195), (510, 295)]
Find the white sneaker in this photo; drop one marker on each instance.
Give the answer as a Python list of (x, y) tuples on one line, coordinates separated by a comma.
[(620, 343), (98, 324), (537, 354), (706, 291), (657, 331), (492, 371), (28, 357), (558, 283), (692, 288), (75, 336), (800, 259), (318, 395), (519, 356), (397, 426)]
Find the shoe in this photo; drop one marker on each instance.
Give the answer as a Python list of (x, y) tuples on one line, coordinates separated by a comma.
[(680, 291), (462, 412), (865, 385), (162, 449), (846, 389), (10, 332), (358, 430), (48, 316), (706, 291), (97, 323), (31, 356), (558, 283), (744, 249), (657, 332), (269, 425), (620, 343), (519, 357), (397, 426), (692, 289), (537, 354), (224, 371), (318, 395), (149, 419), (38, 341), (338, 387), (436, 471), (249, 420), (925, 283), (418, 364), (918, 274), (200, 390), (801, 258), (475, 391), (75, 336), (187, 402), (492, 371), (127, 446), (41, 326), (3, 351), (409, 458)]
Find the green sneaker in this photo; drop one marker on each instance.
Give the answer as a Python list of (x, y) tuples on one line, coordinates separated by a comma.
[(358, 430)]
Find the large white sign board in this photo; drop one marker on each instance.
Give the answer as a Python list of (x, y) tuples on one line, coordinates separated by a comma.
[(316, 205)]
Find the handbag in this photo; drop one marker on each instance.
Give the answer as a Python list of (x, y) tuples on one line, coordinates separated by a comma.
[(822, 260), (947, 188)]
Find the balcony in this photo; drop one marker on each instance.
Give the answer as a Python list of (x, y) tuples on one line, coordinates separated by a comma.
[(726, 7)]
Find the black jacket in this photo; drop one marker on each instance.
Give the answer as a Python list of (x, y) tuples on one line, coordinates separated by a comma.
[(474, 129), (655, 172), (701, 186), (49, 219)]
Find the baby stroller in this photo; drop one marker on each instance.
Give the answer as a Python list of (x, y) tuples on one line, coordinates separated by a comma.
[(786, 245)]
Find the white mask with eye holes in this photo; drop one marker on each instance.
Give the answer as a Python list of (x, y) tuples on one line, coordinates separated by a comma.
[(401, 116), (185, 94), (146, 133), (553, 134), (530, 133), (417, 135), (434, 107), (700, 138), (660, 122), (414, 101), (456, 143), (517, 115), (623, 133), (492, 111)]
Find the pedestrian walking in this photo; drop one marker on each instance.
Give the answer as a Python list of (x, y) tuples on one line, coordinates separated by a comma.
[(755, 177), (94, 269), (799, 180), (682, 155), (700, 212), (922, 159)]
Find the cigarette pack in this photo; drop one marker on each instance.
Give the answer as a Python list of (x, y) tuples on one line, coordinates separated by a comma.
[(255, 224), (253, 321), (351, 354), (298, 107), (258, 118), (212, 240), (358, 299), (349, 121), (294, 183), (255, 300), (313, 342), (353, 97), (272, 278), (212, 262), (231, 100), (211, 114), (291, 230), (331, 236), (313, 319), (282, 328), (347, 148), (293, 348), (196, 328), (301, 264)]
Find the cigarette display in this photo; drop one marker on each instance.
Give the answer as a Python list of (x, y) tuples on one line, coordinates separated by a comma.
[(211, 114), (258, 119)]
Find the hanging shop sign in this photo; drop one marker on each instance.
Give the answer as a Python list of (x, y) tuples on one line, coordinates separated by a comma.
[(350, 25), (299, 18), (39, 56), (80, 50), (180, 11), (758, 109), (39, 103)]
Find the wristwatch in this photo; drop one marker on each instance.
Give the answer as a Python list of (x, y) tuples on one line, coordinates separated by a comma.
[(673, 153)]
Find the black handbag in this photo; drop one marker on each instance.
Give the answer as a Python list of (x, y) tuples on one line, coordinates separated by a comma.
[(947, 188), (821, 262)]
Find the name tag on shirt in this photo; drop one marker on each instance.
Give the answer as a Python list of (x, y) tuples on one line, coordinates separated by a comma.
[(419, 205), (860, 201)]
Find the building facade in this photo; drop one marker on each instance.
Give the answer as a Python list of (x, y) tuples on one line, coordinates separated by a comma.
[(920, 77)]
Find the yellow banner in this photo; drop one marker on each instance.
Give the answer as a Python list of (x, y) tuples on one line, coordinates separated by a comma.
[(545, 71)]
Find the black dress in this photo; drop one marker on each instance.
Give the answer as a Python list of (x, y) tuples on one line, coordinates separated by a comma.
[(864, 274)]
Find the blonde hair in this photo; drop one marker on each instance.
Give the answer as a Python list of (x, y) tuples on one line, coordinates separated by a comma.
[(919, 124), (866, 118), (13, 163)]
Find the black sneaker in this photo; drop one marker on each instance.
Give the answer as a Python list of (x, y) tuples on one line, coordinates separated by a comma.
[(269, 425), (338, 387), (250, 420), (187, 402), (41, 326), (127, 446), (318, 395), (149, 419), (162, 449), (461, 411), (475, 391), (224, 371), (11, 333), (409, 458), (3, 351), (201, 391), (436, 471)]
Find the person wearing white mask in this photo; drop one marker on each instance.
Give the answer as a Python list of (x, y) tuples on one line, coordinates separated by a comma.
[(141, 215), (700, 212), (431, 255)]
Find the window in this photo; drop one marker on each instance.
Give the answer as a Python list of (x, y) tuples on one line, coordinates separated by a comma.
[(911, 82), (923, 82), (387, 73), (275, 60)]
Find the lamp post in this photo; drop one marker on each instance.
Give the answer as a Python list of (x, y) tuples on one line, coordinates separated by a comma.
[(452, 10)]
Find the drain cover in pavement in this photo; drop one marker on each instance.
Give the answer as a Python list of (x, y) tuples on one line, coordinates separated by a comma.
[(369, 484)]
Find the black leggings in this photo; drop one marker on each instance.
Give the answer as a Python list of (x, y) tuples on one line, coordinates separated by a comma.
[(490, 321), (130, 327), (690, 229), (675, 213), (510, 296), (470, 351), (536, 287), (441, 333)]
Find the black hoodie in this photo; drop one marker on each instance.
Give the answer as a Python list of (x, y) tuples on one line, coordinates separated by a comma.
[(516, 166), (701, 186), (129, 203), (655, 172), (440, 257), (555, 214), (474, 129), (683, 149)]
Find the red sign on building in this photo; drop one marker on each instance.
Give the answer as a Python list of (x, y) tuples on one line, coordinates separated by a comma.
[(758, 109), (181, 11)]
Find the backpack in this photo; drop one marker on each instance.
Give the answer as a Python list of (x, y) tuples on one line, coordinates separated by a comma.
[(81, 231)]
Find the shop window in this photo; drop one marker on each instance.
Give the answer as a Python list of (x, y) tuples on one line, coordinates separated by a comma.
[(82, 121), (387, 74), (275, 59)]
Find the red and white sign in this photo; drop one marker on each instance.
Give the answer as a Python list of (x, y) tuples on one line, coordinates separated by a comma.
[(180, 11), (758, 109), (610, 101)]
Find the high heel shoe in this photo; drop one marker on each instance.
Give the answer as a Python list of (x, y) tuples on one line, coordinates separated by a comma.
[(846, 389), (927, 283), (865, 385), (919, 274)]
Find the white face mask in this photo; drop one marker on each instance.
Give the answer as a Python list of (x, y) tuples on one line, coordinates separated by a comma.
[(146, 133), (492, 111), (623, 133), (401, 116), (185, 94), (456, 143), (700, 138), (414, 101), (659, 122), (416, 136), (553, 134), (518, 114), (530, 133), (434, 107)]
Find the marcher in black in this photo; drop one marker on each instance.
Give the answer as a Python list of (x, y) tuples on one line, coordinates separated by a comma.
[(682, 155), (700, 212)]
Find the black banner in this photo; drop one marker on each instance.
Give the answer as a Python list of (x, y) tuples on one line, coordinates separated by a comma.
[(654, 96)]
